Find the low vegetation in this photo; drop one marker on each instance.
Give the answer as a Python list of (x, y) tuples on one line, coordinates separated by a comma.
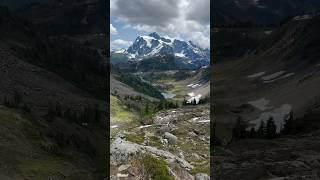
[(153, 168)]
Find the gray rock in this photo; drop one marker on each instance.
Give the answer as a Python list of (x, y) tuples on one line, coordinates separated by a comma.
[(120, 150), (201, 176), (123, 167), (172, 139)]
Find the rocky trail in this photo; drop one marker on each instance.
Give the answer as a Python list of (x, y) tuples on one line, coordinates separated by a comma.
[(179, 137)]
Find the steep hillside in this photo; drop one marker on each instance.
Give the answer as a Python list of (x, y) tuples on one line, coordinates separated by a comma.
[(276, 83), (53, 126)]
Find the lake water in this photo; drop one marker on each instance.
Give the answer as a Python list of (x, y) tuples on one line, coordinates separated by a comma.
[(168, 95)]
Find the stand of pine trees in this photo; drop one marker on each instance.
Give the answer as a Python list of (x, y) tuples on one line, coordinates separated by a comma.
[(266, 130), (194, 102), (90, 114), (15, 101)]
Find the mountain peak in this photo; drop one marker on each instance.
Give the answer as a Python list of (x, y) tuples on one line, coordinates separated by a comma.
[(154, 45), (155, 35)]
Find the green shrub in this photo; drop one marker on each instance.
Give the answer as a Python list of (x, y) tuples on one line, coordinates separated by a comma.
[(155, 169), (200, 169)]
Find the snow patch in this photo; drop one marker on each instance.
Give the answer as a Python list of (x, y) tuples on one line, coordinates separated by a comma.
[(194, 119), (261, 104), (204, 121), (272, 76), (303, 17), (114, 126), (256, 75), (179, 55), (148, 39), (279, 115), (268, 32), (282, 77), (194, 98), (141, 127), (195, 85)]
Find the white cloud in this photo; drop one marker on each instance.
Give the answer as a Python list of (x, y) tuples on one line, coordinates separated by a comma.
[(113, 30), (184, 19), (120, 43)]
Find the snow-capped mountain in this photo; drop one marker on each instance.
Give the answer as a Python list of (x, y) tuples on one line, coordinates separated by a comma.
[(154, 45)]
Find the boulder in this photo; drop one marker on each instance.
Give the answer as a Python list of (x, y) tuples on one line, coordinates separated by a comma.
[(172, 139)]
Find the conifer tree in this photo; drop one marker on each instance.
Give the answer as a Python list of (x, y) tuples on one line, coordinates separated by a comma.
[(239, 130), (288, 124), (261, 130), (271, 129)]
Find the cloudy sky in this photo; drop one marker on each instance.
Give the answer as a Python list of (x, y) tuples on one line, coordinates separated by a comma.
[(182, 19)]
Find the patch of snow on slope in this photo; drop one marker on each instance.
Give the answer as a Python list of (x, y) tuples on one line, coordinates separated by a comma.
[(141, 127), (204, 121), (256, 75), (303, 17), (261, 104), (196, 98), (114, 126), (282, 77), (272, 76), (279, 115), (268, 32), (195, 85), (156, 50), (179, 55), (148, 39)]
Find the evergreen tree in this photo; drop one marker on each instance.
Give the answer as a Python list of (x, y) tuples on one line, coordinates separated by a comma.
[(6, 101), (194, 102), (271, 129), (252, 133), (67, 114), (146, 111), (261, 130), (239, 130), (97, 113), (288, 124), (58, 109), (17, 98), (184, 103)]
